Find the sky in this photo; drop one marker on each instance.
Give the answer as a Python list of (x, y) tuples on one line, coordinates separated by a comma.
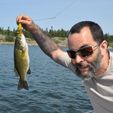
[(60, 14)]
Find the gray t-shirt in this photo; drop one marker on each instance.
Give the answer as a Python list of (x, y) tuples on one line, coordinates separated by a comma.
[(100, 90)]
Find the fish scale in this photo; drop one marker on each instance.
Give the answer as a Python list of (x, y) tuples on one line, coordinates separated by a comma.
[(21, 58)]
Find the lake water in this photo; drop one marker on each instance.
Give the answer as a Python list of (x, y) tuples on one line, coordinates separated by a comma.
[(52, 88)]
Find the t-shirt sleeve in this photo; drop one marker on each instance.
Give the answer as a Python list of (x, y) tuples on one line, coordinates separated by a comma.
[(65, 61)]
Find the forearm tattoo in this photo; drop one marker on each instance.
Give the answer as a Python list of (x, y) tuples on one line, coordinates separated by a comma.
[(45, 43)]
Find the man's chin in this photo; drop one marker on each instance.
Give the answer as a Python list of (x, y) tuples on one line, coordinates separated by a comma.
[(85, 74)]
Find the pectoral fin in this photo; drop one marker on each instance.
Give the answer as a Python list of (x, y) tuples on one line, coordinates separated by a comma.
[(29, 71)]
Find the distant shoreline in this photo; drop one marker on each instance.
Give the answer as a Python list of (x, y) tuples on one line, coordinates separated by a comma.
[(61, 41), (12, 43), (31, 43)]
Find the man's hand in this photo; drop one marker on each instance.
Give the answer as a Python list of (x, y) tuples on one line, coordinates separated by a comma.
[(26, 22), (48, 46)]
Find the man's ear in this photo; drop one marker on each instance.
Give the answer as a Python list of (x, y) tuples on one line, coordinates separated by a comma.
[(104, 45), (104, 48)]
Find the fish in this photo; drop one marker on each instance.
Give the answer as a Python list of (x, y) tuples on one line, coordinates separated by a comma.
[(21, 58)]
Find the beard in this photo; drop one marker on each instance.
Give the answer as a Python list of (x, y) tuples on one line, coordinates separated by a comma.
[(88, 70)]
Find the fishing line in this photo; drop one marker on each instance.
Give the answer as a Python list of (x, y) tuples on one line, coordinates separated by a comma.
[(42, 19), (57, 14), (65, 8)]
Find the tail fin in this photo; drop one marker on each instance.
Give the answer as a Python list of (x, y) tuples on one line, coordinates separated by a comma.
[(22, 84)]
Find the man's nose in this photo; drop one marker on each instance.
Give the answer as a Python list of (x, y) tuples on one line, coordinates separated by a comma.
[(77, 60)]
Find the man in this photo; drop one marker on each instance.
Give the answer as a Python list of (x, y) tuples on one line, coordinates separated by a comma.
[(88, 57)]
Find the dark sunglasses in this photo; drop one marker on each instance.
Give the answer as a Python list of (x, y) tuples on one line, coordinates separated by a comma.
[(83, 52)]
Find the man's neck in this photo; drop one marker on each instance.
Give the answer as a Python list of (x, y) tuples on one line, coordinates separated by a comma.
[(104, 65)]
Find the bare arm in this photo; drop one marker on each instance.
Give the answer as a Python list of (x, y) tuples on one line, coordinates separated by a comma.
[(45, 43), (49, 47)]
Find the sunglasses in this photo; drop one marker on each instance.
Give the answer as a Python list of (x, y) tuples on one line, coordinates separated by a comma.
[(83, 52)]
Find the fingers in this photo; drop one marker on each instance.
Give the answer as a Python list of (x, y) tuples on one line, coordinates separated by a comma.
[(18, 19), (26, 21), (23, 19)]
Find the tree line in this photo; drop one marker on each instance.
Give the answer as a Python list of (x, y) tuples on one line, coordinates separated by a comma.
[(9, 35)]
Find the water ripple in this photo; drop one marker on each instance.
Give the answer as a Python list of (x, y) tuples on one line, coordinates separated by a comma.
[(52, 88)]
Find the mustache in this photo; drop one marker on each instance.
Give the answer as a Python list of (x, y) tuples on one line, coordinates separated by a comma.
[(92, 67), (82, 65), (92, 70)]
